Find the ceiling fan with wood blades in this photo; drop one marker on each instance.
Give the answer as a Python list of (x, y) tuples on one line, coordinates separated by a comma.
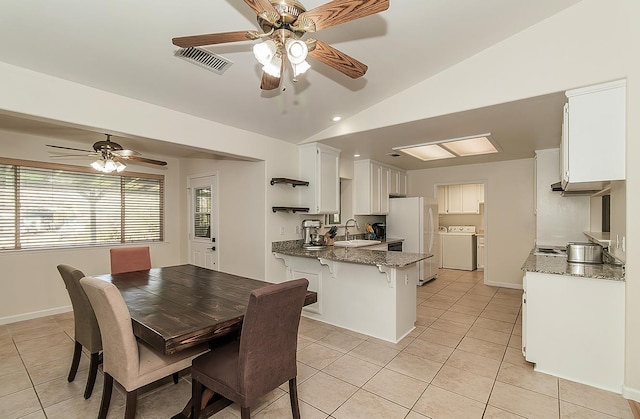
[(110, 155), (284, 23)]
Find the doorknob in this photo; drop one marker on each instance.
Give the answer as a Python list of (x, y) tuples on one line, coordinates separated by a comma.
[(213, 248)]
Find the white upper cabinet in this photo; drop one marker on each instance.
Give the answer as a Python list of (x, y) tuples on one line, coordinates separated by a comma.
[(442, 200), (593, 136), (480, 193), (319, 164), (459, 199), (373, 183), (397, 182)]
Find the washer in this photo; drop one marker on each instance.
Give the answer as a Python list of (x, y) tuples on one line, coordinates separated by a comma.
[(459, 249)]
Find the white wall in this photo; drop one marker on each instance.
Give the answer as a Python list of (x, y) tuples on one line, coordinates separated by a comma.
[(559, 219), (510, 229), (241, 201), (30, 285)]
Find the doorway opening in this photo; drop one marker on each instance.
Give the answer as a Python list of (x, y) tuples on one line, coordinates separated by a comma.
[(462, 209)]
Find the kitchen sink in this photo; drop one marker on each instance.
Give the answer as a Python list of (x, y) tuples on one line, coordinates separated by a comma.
[(550, 251), (356, 243)]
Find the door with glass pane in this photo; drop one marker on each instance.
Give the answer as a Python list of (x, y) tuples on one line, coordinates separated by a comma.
[(203, 220)]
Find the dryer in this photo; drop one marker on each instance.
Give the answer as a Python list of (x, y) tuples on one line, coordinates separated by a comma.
[(459, 248)]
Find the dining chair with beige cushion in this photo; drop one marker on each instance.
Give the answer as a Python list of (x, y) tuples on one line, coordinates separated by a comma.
[(130, 362), (86, 329), (264, 357), (130, 259)]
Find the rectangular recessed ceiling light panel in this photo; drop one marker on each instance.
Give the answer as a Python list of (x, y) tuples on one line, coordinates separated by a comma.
[(427, 152), (456, 147)]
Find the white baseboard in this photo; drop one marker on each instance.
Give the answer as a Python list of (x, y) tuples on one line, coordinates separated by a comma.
[(504, 285), (35, 314), (631, 393)]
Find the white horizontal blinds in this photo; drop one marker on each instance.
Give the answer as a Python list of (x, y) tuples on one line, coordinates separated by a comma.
[(143, 209), (66, 208), (7, 207)]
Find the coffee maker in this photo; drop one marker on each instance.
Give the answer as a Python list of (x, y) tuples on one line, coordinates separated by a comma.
[(310, 235), (380, 230)]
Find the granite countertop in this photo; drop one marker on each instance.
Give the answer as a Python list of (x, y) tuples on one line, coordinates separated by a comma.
[(359, 255), (558, 265)]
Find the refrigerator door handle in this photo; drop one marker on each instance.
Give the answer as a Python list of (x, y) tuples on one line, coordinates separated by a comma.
[(431, 230)]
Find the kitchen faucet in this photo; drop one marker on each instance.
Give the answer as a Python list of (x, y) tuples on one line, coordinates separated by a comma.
[(346, 228)]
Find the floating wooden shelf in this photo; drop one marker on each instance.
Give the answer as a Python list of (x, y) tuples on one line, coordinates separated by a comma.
[(292, 182), (292, 209)]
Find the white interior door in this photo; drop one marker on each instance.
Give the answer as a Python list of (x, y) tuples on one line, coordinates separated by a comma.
[(203, 221)]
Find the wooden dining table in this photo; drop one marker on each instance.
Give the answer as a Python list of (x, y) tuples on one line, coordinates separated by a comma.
[(177, 307)]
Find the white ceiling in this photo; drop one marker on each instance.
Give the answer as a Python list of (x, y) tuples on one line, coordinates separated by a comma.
[(125, 47)]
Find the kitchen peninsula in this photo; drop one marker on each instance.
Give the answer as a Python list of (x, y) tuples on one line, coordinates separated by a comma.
[(368, 291), (573, 319)]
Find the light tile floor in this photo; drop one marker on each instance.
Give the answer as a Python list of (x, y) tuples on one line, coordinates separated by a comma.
[(463, 360)]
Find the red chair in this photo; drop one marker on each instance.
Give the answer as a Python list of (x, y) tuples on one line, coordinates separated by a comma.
[(130, 259)]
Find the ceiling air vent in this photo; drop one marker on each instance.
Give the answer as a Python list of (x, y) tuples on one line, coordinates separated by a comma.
[(205, 59)]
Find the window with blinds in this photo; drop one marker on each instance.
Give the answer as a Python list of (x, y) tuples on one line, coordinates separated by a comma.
[(54, 206)]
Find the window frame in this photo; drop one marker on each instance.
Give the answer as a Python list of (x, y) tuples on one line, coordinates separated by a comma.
[(17, 163)]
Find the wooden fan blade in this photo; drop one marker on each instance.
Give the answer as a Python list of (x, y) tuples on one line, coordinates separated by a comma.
[(84, 156), (337, 59), (269, 82), (259, 6), (125, 153), (144, 160), (69, 148), (342, 11), (210, 39)]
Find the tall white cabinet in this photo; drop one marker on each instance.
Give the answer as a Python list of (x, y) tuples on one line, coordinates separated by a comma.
[(320, 164), (593, 136)]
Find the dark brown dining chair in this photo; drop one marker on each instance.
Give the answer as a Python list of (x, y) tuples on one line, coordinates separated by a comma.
[(86, 330), (264, 357), (130, 259), (130, 362)]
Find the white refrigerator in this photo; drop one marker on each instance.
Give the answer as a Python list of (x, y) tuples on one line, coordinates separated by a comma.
[(416, 221)]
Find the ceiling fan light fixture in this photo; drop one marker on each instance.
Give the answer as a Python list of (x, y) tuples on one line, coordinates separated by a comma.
[(273, 67), (265, 51), (120, 167), (109, 166), (297, 51), (300, 69), (98, 165)]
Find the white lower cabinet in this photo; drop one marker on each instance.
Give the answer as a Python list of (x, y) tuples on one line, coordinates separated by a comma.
[(377, 301), (315, 285), (573, 328)]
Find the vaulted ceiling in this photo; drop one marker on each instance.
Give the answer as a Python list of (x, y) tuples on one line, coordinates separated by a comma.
[(125, 47)]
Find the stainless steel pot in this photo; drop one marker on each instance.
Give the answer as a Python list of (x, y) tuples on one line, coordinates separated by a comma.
[(584, 253)]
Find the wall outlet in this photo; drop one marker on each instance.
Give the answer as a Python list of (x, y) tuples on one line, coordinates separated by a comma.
[(406, 279), (282, 231), (297, 229)]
